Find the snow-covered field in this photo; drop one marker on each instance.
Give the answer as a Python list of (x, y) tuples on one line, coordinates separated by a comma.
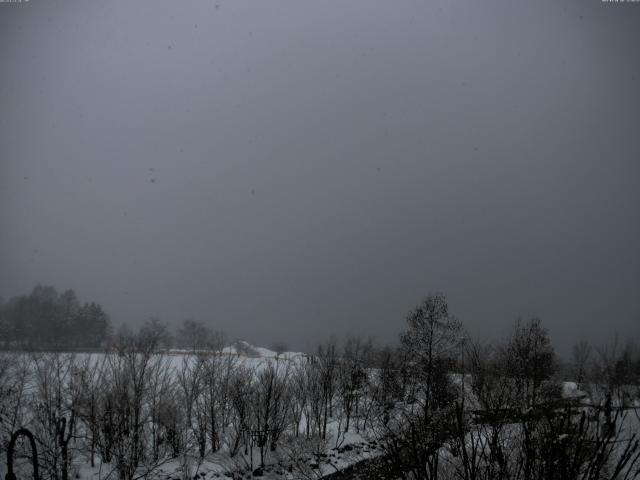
[(239, 412), (303, 451)]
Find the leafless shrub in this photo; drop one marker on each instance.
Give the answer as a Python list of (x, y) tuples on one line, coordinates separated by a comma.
[(54, 405), (214, 407), (15, 373), (352, 378)]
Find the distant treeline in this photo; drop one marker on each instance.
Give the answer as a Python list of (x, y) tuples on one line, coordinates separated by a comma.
[(439, 405), (47, 319)]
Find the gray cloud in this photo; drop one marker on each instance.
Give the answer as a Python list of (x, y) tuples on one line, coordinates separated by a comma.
[(283, 170)]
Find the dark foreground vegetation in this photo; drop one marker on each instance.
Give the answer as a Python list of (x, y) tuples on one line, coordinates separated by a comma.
[(438, 406)]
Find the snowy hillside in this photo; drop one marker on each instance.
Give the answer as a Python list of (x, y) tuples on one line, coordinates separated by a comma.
[(242, 348)]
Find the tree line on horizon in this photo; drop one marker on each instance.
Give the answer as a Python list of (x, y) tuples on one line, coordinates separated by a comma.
[(48, 319), (439, 405)]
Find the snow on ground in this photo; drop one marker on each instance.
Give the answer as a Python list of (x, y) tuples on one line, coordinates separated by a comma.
[(571, 390), (339, 451), (243, 349)]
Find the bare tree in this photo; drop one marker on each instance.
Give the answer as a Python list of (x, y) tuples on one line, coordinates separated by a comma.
[(415, 431), (352, 376), (15, 374), (55, 403), (127, 415), (581, 355), (327, 357), (190, 386), (300, 393), (270, 406), (529, 359), (241, 386), (615, 368), (317, 388), (195, 335), (212, 407), (90, 378)]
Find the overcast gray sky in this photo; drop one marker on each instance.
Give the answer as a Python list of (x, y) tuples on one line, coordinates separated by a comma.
[(287, 169)]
